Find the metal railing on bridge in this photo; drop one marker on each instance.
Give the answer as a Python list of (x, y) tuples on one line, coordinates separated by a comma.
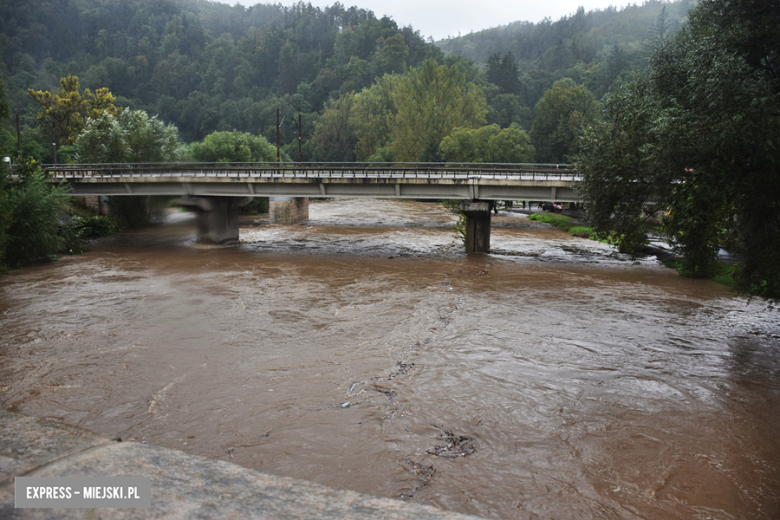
[(318, 170)]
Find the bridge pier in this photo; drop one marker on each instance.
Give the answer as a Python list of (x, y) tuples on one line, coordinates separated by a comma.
[(288, 210), (216, 217), (477, 226)]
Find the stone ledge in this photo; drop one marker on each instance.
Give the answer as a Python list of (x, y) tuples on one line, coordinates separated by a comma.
[(183, 486)]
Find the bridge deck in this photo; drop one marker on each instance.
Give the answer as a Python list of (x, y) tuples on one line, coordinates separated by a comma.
[(407, 180)]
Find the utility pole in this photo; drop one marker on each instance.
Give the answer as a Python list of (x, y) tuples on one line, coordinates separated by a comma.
[(54, 141), (18, 136), (278, 156), (299, 135)]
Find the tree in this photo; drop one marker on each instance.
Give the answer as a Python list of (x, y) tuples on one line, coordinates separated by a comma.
[(371, 115), (489, 144), (67, 111), (561, 115), (505, 109), (4, 109), (432, 100), (131, 137), (334, 138), (29, 209), (234, 147), (391, 55), (698, 133), (502, 71)]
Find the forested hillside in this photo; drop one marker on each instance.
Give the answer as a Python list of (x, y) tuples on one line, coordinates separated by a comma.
[(201, 65), (357, 81), (590, 47)]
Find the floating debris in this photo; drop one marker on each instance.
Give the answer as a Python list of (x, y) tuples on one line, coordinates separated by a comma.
[(402, 370), (456, 445), (422, 475), (346, 405), (389, 393)]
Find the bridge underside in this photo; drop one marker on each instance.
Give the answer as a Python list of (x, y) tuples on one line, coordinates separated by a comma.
[(467, 189)]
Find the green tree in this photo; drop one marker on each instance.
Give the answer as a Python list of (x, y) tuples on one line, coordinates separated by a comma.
[(29, 207), (391, 55), (560, 116), (505, 109), (68, 109), (431, 101), (618, 175), (503, 71), (131, 137), (698, 132), (334, 137), (489, 144), (234, 147), (371, 115), (4, 108)]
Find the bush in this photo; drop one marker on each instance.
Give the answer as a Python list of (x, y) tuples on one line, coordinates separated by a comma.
[(91, 227), (29, 230)]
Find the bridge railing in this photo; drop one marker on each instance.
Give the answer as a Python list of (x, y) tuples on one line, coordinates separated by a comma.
[(317, 170)]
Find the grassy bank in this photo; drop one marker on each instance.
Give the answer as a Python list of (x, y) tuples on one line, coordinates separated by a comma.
[(724, 272), (563, 222)]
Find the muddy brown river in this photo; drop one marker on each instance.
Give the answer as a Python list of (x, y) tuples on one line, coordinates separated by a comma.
[(552, 379)]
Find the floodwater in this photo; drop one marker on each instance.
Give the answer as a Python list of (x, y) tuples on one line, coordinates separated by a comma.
[(553, 379)]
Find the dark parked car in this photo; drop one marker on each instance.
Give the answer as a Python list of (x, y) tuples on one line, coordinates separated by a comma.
[(552, 206)]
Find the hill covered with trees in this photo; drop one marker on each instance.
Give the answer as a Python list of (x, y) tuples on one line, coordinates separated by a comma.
[(592, 48), (200, 65), (205, 66)]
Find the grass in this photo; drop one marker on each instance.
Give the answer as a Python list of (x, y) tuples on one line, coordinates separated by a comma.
[(564, 223)]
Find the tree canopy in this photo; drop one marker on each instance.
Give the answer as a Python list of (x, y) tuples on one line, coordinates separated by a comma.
[(233, 147), (561, 115), (68, 109), (132, 136), (698, 135), (489, 144), (207, 66), (430, 102)]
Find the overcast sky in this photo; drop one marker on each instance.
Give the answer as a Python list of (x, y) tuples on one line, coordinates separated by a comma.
[(442, 18)]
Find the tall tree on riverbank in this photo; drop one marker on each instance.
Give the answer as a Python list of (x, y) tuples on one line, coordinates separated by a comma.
[(698, 133), (132, 137), (29, 209), (431, 101), (67, 110)]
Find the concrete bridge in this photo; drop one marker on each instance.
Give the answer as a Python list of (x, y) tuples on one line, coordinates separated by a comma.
[(217, 190)]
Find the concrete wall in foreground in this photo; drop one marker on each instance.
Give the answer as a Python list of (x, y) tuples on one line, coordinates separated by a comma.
[(182, 485)]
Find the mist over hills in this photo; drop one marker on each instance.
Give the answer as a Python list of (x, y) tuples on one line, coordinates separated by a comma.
[(207, 66)]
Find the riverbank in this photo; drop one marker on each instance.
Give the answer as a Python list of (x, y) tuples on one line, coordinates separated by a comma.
[(571, 221)]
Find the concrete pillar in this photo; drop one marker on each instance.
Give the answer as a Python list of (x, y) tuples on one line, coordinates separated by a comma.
[(217, 217), (477, 226), (288, 210), (97, 203)]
